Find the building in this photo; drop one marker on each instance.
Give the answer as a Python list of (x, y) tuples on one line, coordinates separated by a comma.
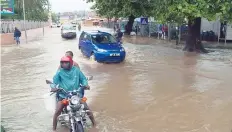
[(67, 17)]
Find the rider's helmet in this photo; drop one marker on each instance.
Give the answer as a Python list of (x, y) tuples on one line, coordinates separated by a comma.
[(66, 62)]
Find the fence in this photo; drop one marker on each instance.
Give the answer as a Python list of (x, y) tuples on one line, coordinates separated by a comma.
[(7, 26), (152, 29)]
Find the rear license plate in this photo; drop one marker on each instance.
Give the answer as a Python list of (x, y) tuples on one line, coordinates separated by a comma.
[(115, 54)]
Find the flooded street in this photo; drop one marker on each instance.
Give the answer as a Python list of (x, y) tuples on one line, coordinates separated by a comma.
[(156, 89)]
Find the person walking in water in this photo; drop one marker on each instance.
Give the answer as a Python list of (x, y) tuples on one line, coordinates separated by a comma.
[(119, 35), (79, 27), (17, 35)]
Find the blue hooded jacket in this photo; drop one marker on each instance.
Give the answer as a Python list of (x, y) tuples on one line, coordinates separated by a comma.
[(17, 33), (69, 80)]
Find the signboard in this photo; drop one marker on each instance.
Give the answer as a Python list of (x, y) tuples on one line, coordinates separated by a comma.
[(229, 32), (144, 20), (7, 7)]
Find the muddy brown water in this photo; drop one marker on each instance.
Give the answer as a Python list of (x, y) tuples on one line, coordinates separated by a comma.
[(156, 89)]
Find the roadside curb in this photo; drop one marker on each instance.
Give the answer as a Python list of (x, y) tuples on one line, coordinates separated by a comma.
[(172, 43)]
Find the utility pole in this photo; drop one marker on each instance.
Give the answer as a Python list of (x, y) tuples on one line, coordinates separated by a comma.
[(225, 32), (48, 16), (24, 21)]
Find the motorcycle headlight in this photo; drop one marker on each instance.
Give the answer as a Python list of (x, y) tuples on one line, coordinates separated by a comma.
[(122, 49), (75, 100)]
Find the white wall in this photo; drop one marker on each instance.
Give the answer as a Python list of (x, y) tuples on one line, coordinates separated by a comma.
[(229, 32), (7, 26), (210, 25)]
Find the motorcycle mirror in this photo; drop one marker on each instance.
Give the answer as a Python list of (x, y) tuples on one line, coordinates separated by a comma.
[(90, 78), (49, 82)]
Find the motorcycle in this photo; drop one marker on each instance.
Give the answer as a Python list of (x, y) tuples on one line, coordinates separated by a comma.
[(74, 113)]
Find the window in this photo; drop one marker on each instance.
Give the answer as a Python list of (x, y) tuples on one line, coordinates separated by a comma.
[(82, 36), (68, 27), (87, 37), (103, 39)]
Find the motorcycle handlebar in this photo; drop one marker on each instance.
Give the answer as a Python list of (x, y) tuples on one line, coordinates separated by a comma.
[(61, 89), (50, 82)]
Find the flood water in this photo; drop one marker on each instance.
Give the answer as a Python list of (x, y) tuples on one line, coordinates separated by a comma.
[(156, 89)]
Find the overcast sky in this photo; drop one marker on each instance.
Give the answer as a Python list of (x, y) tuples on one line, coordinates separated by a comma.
[(69, 5)]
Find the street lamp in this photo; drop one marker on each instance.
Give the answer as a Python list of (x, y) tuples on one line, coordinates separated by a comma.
[(24, 21)]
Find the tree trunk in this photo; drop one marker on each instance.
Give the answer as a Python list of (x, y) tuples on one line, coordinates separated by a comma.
[(129, 24), (193, 39), (108, 22)]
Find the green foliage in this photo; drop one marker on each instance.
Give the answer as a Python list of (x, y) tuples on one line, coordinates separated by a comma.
[(122, 8), (166, 10), (34, 9), (55, 17), (177, 10)]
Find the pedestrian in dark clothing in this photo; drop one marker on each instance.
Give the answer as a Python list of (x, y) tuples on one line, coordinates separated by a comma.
[(17, 35), (79, 27), (136, 29), (114, 28), (119, 35)]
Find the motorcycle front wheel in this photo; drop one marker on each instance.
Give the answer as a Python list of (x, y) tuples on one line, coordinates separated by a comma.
[(78, 127)]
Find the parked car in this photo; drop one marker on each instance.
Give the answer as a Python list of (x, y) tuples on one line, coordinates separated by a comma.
[(68, 31), (53, 25), (101, 47), (59, 25), (74, 24)]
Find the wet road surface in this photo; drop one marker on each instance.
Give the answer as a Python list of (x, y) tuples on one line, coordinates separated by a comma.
[(156, 89)]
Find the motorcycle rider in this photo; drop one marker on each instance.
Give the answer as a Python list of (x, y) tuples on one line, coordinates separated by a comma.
[(68, 77), (70, 53)]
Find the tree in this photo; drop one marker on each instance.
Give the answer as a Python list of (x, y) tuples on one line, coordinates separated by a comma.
[(193, 10), (123, 8), (170, 10), (55, 17), (34, 9)]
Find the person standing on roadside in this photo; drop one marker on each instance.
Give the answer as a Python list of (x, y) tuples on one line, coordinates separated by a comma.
[(17, 35), (163, 31)]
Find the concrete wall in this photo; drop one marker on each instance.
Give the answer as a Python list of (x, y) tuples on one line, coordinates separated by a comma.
[(7, 26), (33, 34)]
